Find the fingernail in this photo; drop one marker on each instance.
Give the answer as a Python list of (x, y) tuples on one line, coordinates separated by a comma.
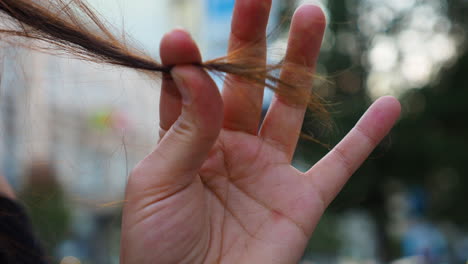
[(181, 85)]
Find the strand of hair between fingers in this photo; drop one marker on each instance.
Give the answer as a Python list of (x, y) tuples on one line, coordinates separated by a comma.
[(75, 28)]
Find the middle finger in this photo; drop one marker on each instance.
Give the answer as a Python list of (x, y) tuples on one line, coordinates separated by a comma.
[(243, 100)]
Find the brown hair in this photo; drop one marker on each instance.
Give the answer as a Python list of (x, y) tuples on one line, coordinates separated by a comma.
[(73, 27)]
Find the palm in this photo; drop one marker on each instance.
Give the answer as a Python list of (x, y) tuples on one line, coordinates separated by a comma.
[(218, 190), (245, 196), (257, 201)]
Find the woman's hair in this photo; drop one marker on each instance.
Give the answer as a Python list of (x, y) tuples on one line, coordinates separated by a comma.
[(73, 27)]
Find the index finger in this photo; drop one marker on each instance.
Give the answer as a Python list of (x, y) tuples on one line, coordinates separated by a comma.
[(177, 47)]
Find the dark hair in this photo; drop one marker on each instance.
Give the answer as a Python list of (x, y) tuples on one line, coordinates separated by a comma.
[(73, 27)]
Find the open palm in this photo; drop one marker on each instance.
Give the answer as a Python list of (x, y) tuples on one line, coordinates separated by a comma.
[(218, 190)]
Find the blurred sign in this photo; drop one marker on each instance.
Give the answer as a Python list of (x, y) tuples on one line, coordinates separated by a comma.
[(216, 26), (106, 119), (220, 8)]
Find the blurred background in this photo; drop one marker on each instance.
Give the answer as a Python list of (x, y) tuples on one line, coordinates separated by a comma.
[(71, 131)]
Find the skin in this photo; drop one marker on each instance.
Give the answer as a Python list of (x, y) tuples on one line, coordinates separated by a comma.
[(216, 189)]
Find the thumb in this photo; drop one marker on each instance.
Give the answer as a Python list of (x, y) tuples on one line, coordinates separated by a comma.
[(187, 144)]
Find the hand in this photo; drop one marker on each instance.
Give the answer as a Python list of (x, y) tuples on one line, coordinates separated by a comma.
[(217, 190)]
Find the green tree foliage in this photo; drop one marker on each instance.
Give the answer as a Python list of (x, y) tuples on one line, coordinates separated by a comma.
[(428, 148)]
